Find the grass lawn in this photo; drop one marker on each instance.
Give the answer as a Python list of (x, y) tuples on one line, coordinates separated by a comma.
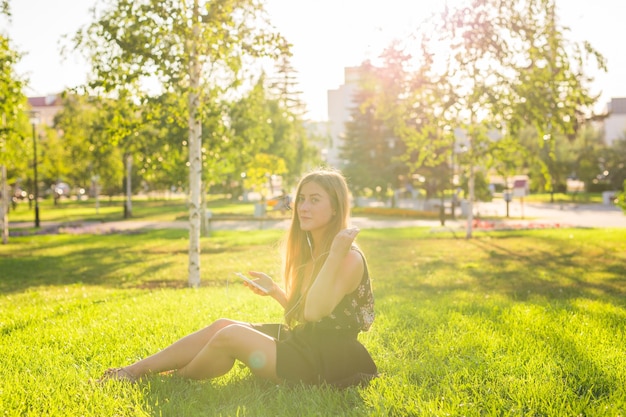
[(520, 323), (154, 209)]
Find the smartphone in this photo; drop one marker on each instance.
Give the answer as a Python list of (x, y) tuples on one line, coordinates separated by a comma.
[(251, 282)]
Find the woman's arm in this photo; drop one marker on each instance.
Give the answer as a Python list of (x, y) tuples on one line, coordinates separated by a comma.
[(340, 275)]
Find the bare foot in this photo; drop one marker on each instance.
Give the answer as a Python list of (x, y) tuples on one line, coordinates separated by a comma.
[(117, 374)]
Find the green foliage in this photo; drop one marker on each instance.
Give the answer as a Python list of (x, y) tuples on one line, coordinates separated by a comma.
[(91, 137), (462, 328), (467, 90), (611, 165), (175, 44), (481, 187), (260, 171), (369, 147), (266, 121), (291, 141), (555, 91), (195, 52), (251, 130), (160, 149), (4, 8), (507, 157), (13, 118)]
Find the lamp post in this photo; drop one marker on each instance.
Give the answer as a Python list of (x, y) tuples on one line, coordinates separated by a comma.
[(34, 120)]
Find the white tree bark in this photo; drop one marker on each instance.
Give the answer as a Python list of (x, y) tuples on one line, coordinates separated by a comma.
[(470, 202), (195, 155), (5, 206), (204, 231)]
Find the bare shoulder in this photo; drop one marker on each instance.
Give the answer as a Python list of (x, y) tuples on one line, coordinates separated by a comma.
[(352, 270), (355, 257)]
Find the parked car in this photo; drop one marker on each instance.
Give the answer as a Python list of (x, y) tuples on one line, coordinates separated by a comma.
[(61, 189), (19, 194)]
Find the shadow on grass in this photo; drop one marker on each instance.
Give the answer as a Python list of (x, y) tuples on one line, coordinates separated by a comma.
[(148, 260), (241, 396), (516, 266), (547, 267)]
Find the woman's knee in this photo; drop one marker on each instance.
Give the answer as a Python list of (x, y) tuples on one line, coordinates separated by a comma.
[(240, 341), (228, 334), (221, 323), (208, 333)]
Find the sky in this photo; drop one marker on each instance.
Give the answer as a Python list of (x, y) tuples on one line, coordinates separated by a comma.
[(327, 36)]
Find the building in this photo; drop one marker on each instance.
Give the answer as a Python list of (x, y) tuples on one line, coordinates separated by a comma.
[(615, 123), (46, 108), (340, 105)]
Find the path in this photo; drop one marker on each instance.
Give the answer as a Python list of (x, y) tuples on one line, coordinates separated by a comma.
[(533, 215)]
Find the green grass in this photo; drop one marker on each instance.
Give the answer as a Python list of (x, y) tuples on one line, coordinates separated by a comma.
[(156, 209), (524, 323)]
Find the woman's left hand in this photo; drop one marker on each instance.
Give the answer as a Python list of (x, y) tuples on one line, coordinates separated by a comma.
[(343, 241)]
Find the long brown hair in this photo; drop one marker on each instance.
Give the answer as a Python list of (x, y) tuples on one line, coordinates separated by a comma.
[(296, 247)]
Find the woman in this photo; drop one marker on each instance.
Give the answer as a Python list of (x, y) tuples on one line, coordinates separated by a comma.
[(327, 301)]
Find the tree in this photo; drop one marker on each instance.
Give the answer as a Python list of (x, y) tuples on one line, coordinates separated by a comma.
[(12, 123), (261, 169), (163, 150), (250, 133), (550, 89), (283, 86), (612, 165), (488, 69), (116, 132), (262, 122), (198, 51), (4, 8), (54, 165), (370, 147), (507, 158), (92, 155), (421, 118), (291, 139)]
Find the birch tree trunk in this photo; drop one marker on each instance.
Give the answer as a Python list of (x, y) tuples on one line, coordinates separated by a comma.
[(204, 231), (470, 202), (195, 156), (5, 207)]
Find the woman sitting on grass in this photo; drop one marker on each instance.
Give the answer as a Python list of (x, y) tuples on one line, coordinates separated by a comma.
[(328, 301)]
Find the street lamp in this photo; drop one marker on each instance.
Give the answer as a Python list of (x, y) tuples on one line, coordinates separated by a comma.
[(34, 121)]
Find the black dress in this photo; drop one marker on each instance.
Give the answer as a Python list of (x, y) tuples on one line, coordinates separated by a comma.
[(328, 351)]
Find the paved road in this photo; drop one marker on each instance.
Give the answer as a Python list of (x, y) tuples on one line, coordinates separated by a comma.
[(530, 215), (576, 215)]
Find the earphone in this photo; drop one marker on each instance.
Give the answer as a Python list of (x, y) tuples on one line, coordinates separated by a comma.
[(297, 303)]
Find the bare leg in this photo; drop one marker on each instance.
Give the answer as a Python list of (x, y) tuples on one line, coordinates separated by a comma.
[(180, 353), (236, 341)]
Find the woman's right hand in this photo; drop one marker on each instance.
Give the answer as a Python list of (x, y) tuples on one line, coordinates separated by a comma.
[(264, 281)]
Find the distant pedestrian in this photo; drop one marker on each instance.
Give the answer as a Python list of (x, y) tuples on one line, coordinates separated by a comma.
[(285, 202)]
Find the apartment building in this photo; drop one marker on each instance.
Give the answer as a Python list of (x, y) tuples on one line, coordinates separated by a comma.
[(46, 108), (615, 123), (340, 105)]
